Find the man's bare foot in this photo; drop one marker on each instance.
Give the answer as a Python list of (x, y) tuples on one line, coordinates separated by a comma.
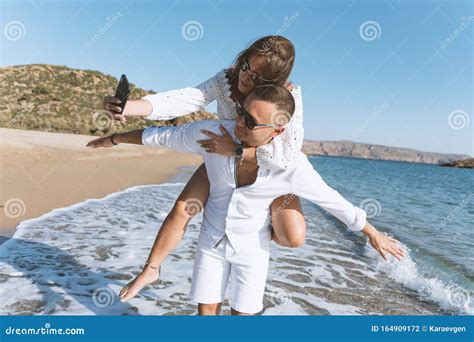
[(145, 278)]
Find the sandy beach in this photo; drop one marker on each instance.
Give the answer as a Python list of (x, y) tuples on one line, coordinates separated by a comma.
[(41, 171)]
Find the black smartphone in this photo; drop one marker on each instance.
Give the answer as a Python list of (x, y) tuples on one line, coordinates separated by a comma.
[(123, 90)]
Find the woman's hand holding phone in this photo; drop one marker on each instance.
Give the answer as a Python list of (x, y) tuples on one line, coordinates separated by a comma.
[(119, 106), (112, 104), (116, 104)]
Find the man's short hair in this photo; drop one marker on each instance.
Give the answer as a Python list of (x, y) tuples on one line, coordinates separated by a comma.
[(278, 95)]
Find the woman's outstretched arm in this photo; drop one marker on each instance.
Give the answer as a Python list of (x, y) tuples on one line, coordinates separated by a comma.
[(166, 105), (137, 108)]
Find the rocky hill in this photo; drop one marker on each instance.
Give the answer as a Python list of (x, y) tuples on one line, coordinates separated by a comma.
[(60, 99), (369, 151), (465, 163)]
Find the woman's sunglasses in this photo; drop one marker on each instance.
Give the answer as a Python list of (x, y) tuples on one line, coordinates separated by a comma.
[(249, 120), (256, 79)]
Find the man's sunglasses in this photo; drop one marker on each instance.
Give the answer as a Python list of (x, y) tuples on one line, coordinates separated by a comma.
[(256, 79), (249, 120)]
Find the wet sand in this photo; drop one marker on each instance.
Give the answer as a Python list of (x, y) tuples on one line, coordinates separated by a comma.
[(41, 171)]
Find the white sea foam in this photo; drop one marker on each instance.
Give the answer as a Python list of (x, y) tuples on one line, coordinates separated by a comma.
[(75, 260), (406, 272)]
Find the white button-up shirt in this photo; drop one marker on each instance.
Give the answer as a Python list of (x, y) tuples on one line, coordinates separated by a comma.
[(242, 215)]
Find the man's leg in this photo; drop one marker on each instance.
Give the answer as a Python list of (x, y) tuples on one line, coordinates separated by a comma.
[(289, 227), (210, 276), (209, 309), (237, 313), (248, 275)]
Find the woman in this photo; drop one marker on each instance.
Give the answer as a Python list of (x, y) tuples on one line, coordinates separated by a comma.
[(267, 60)]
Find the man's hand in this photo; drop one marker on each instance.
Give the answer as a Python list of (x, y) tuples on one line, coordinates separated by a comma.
[(383, 243), (131, 137), (101, 142), (220, 144)]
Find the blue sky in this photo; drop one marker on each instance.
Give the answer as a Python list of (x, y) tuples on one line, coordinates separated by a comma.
[(409, 85)]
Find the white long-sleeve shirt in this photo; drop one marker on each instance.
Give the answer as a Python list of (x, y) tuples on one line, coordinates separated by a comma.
[(280, 154), (242, 213)]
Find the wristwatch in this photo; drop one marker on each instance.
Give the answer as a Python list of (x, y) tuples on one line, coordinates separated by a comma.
[(238, 152)]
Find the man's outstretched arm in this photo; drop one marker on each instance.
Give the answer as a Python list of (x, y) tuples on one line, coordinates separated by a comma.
[(180, 138), (132, 137), (330, 200)]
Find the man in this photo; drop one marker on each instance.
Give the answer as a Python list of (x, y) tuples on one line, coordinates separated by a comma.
[(234, 242)]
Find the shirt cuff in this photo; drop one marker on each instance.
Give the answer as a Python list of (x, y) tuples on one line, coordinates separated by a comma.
[(152, 114), (148, 136), (360, 220)]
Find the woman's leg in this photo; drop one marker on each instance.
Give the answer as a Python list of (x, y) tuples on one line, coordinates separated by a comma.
[(189, 203), (289, 227)]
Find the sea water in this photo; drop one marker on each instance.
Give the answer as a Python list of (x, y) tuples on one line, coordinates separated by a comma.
[(75, 260)]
